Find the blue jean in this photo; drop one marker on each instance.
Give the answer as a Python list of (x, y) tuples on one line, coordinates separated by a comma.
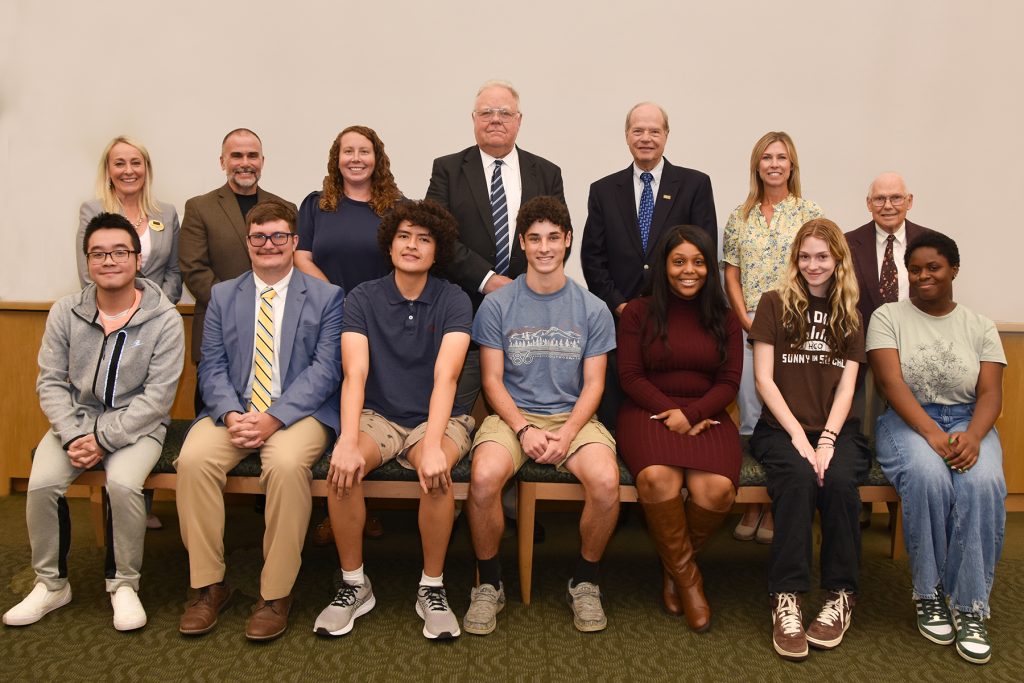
[(953, 523)]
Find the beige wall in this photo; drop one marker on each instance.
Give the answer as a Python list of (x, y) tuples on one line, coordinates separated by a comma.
[(931, 88)]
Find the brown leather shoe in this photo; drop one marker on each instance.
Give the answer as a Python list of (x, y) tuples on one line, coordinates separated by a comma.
[(666, 522), (201, 614), (373, 527), (269, 619), (323, 533)]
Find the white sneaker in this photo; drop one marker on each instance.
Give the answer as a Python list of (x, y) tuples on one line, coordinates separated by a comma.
[(128, 612), (37, 604)]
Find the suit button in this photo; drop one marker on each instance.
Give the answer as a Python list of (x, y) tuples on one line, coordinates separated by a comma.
[(646, 267)]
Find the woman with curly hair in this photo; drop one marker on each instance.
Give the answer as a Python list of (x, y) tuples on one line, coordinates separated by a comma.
[(808, 342), (680, 359), (338, 225), (940, 366), (338, 231)]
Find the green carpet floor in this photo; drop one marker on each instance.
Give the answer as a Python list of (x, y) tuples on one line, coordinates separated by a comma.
[(535, 643)]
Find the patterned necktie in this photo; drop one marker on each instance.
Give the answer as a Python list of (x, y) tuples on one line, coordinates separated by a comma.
[(263, 358), (888, 279), (499, 210), (646, 212)]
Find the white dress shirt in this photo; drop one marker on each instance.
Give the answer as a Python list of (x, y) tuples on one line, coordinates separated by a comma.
[(513, 184), (278, 302), (638, 185), (899, 248)]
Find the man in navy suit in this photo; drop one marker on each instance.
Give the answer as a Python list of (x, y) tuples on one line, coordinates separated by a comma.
[(269, 374), (626, 214), (617, 238), (487, 255)]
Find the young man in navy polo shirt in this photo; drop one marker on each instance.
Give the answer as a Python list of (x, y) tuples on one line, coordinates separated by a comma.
[(403, 343), (544, 343)]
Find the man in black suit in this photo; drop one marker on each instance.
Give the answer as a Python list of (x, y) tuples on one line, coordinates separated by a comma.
[(623, 225), (483, 186)]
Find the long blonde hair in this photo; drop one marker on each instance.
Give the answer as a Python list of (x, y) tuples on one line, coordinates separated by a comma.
[(756, 194), (843, 319), (105, 186)]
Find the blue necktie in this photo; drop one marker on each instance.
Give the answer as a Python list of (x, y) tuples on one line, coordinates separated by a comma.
[(499, 210), (643, 217)]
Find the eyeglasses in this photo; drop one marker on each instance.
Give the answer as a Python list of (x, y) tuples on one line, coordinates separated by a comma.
[(503, 115), (895, 199), (258, 239), (117, 256)]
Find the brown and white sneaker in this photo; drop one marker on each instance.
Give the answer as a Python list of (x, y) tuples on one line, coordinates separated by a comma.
[(788, 635), (826, 631)]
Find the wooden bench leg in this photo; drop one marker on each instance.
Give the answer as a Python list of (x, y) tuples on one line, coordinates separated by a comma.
[(527, 509), (96, 512), (899, 547)]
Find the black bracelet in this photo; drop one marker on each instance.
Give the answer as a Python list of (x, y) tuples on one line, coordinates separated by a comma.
[(519, 434), (826, 430)]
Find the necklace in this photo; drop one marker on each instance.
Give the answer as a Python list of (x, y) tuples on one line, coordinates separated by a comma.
[(136, 224), (115, 316)]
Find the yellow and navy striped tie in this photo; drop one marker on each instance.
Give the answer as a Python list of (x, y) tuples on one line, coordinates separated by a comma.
[(263, 358)]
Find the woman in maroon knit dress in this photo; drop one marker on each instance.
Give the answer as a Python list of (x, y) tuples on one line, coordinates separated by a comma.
[(680, 360)]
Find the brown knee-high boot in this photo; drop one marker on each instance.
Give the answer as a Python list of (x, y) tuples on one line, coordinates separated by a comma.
[(702, 524), (666, 522)]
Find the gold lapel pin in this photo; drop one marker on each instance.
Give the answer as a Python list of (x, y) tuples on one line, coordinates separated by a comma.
[(156, 225), (666, 196)]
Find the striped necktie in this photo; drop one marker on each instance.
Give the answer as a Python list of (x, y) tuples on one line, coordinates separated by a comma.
[(499, 210), (263, 358)]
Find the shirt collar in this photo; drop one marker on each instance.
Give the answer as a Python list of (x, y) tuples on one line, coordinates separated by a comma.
[(511, 159), (395, 297), (881, 235), (656, 171), (281, 286)]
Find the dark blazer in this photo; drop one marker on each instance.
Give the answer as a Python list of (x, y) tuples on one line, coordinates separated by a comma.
[(865, 264), (614, 263), (212, 248), (457, 182), (310, 342)]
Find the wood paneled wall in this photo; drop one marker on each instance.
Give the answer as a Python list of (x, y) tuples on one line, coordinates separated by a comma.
[(22, 424)]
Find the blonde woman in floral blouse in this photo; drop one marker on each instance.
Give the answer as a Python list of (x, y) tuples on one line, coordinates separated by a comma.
[(755, 249)]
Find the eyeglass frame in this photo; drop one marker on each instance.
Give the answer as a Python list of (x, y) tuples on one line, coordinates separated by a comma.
[(504, 115), (897, 200), (272, 237), (100, 257)]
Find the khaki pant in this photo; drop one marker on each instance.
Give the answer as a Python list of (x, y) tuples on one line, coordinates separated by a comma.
[(205, 460)]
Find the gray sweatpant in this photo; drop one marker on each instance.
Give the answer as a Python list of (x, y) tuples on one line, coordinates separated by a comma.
[(49, 526)]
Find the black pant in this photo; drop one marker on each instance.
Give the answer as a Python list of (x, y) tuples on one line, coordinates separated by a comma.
[(793, 487)]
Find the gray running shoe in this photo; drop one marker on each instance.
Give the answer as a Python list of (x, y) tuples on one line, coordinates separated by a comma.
[(972, 641), (587, 613), (484, 604), (439, 622), (350, 602)]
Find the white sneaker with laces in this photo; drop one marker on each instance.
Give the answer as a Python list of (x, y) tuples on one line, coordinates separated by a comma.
[(439, 622), (37, 604), (128, 611)]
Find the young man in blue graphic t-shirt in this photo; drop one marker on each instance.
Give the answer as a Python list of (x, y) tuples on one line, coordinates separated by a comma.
[(403, 341), (543, 342)]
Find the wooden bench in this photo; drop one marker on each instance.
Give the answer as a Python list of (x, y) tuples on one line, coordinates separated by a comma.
[(534, 482)]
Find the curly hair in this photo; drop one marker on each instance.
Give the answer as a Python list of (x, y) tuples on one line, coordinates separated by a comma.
[(944, 245), (843, 320), (425, 213), (756, 194), (710, 298), (545, 208), (384, 192)]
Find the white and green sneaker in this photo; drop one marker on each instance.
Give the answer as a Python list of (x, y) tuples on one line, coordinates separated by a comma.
[(933, 619), (972, 641), (587, 612), (439, 622)]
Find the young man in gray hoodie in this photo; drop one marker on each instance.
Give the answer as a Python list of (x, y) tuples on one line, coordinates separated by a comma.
[(109, 367)]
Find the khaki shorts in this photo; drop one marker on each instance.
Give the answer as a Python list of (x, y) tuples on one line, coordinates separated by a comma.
[(494, 429), (394, 440)]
